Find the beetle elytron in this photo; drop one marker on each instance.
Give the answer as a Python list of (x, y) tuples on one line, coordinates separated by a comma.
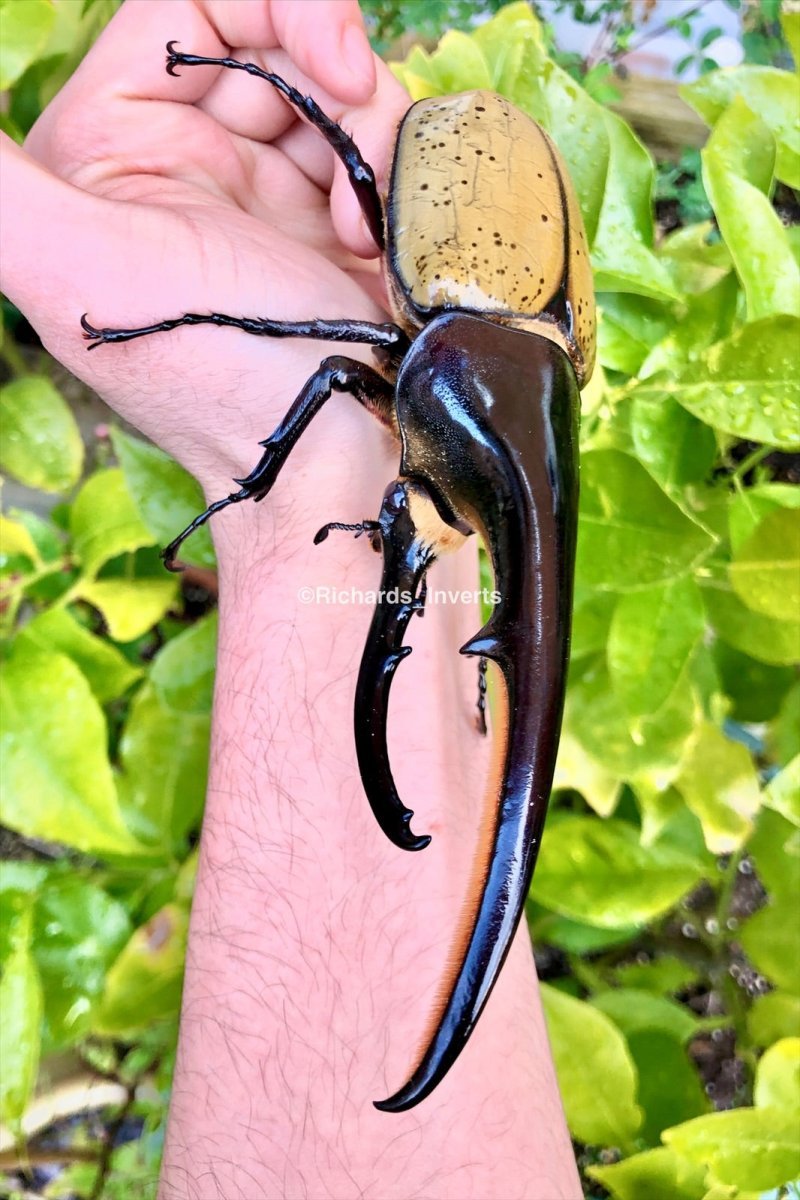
[(488, 275)]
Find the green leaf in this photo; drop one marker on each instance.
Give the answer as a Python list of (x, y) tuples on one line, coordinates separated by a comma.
[(708, 317), (80, 930), (596, 717), (746, 386), (771, 939), (719, 783), (790, 24), (575, 769), (108, 672), (665, 974), (656, 1174), (576, 937), (166, 497), (737, 172), (45, 535), (783, 792), (764, 90), (591, 621), (769, 641), (749, 507), (145, 982), (765, 571), (630, 533), (183, 672), (131, 607), (595, 1072), (753, 1148), (20, 1023), (636, 1011), (164, 758), (652, 636), (57, 780), (783, 736), (669, 1088), (755, 689), (674, 446), (41, 445), (26, 28), (778, 1076), (104, 521), (696, 257), (598, 872), (628, 328), (774, 1016), (15, 539), (775, 847)]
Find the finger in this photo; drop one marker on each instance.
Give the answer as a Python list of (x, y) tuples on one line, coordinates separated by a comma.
[(325, 38)]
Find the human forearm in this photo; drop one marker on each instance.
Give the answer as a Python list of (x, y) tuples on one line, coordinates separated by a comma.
[(318, 949)]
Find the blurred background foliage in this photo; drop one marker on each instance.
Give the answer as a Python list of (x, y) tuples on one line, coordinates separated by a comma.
[(664, 907)]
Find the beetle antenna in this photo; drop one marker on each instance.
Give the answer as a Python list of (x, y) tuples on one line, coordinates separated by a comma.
[(359, 528)]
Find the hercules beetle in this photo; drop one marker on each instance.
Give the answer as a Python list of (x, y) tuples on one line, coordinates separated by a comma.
[(489, 279)]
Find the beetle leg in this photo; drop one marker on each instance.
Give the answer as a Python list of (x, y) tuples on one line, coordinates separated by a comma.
[(360, 173), (387, 337), (413, 535), (334, 375), (483, 666)]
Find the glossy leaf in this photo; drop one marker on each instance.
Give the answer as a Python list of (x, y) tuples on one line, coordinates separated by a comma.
[(183, 672), (771, 940), (104, 521), (737, 172), (752, 1148), (109, 674), (748, 508), (666, 975), (596, 717), (763, 638), (765, 90), (130, 607), (595, 1072), (26, 28), (653, 633), (167, 497), (600, 873), (719, 783), (674, 446), (656, 1174), (774, 1016), (80, 930), (630, 533), (708, 317), (41, 444), (145, 982), (669, 1086), (765, 571), (636, 1012), (575, 769), (775, 848), (164, 759), (778, 1076), (20, 1023), (15, 539), (783, 792), (57, 780), (745, 386), (575, 937)]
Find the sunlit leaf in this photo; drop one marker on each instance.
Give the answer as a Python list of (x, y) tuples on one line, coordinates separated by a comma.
[(595, 1072), (598, 871), (754, 1148), (41, 444)]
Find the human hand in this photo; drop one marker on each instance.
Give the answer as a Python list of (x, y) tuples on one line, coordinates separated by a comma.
[(156, 195)]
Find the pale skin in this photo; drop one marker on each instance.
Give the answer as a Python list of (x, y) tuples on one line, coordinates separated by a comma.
[(317, 949)]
